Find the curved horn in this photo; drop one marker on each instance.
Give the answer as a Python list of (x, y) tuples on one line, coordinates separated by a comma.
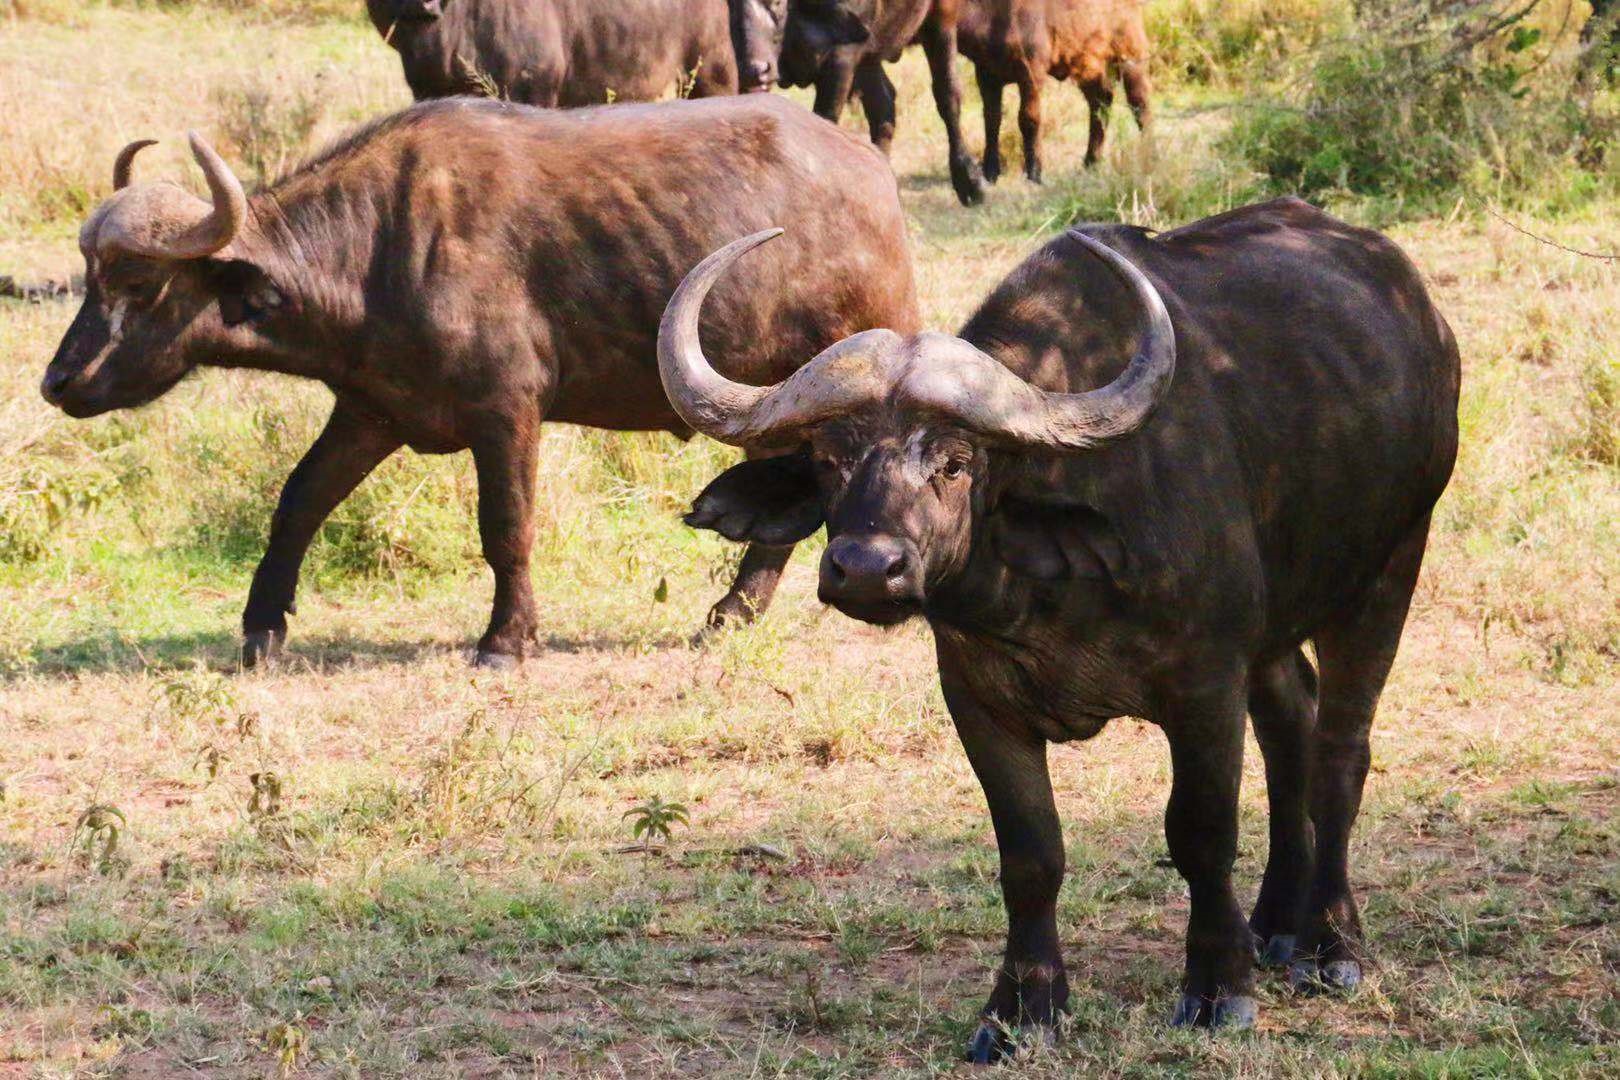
[(964, 381), (705, 399), (123, 164), (219, 228)]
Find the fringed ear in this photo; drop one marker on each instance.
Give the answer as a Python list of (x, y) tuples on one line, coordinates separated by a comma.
[(1052, 542), (245, 292), (768, 501)]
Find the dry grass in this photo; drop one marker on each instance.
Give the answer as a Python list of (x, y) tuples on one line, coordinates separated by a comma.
[(426, 878)]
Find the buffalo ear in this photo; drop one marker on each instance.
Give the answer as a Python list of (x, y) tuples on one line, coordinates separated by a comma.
[(1055, 542), (768, 501), (245, 291), (835, 24)]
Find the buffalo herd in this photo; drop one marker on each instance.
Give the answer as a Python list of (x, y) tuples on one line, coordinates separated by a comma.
[(1140, 480)]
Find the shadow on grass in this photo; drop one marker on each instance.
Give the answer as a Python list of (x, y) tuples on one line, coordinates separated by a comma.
[(109, 652)]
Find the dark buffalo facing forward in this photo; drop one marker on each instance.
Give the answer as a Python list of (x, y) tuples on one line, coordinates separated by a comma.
[(560, 52), (464, 270), (840, 47), (1274, 420)]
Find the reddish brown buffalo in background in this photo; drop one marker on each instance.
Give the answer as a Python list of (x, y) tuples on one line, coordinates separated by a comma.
[(1021, 42), (461, 271), (560, 52)]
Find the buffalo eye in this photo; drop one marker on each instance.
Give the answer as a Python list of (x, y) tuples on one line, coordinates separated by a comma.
[(953, 468)]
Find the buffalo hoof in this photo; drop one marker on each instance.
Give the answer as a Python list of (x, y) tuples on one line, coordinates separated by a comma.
[(994, 1043), (1309, 977), (261, 647), (992, 170), (1235, 1012), (495, 661), (968, 181), (1033, 174), (1278, 951)]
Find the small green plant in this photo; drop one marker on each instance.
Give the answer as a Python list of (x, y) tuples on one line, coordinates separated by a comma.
[(96, 835), (289, 1042), (653, 820)]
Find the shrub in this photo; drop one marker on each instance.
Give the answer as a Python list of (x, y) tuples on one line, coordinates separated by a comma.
[(1426, 104), (1227, 42)]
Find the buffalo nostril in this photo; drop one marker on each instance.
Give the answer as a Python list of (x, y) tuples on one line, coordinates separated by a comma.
[(897, 567)]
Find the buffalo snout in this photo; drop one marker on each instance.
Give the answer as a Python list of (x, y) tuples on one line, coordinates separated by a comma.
[(874, 578), (758, 76), (420, 10)]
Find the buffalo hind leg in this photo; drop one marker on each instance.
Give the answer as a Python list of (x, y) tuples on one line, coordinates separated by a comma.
[(505, 456), (757, 577), (877, 100), (939, 43), (1201, 825), (348, 448), (1138, 89), (833, 86), (1282, 702), (1100, 100), (1355, 654), (1029, 122), (1032, 987), (990, 92)]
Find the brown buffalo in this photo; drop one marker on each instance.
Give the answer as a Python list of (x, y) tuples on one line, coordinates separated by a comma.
[(560, 52), (1148, 471), (464, 270), (1093, 42)]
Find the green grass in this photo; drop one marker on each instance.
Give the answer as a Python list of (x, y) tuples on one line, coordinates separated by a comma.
[(448, 885)]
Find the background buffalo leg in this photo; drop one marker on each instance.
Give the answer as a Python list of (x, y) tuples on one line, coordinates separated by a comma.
[(877, 99), (506, 457), (344, 454), (939, 43), (990, 91)]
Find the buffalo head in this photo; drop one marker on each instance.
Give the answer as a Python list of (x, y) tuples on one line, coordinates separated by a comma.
[(891, 439), (165, 289), (757, 28), (814, 30)]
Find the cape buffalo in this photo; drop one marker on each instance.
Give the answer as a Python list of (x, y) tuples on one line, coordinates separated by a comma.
[(840, 46), (560, 52), (463, 270), (1277, 415), (1023, 41)]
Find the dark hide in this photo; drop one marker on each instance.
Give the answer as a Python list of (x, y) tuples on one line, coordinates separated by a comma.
[(840, 47), (1280, 494), (464, 270), (560, 52)]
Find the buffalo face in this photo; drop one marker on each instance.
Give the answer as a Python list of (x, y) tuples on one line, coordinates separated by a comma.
[(163, 290), (817, 29), (757, 28), (891, 439)]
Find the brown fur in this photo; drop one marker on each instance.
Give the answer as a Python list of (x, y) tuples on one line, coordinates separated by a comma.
[(560, 52), (463, 270), (1093, 42)]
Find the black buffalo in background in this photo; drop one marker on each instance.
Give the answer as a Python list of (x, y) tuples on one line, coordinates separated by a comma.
[(560, 52)]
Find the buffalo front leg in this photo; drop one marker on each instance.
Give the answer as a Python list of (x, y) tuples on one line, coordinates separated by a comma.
[(344, 454), (1099, 100), (751, 593), (1201, 825), (1031, 987), (939, 43), (505, 456), (877, 99), (990, 93), (1282, 702), (833, 86), (1355, 654)]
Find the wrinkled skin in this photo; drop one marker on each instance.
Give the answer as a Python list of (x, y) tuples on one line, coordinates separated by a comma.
[(1023, 41), (840, 47), (448, 316), (1279, 493), (560, 52)]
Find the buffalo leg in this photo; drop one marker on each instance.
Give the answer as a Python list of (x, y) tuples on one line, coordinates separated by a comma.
[(1201, 825), (1029, 122), (833, 88), (1032, 987), (1138, 88), (877, 99), (1282, 701), (755, 584), (1355, 655), (990, 92), (505, 456), (1100, 99), (344, 454), (939, 43)]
